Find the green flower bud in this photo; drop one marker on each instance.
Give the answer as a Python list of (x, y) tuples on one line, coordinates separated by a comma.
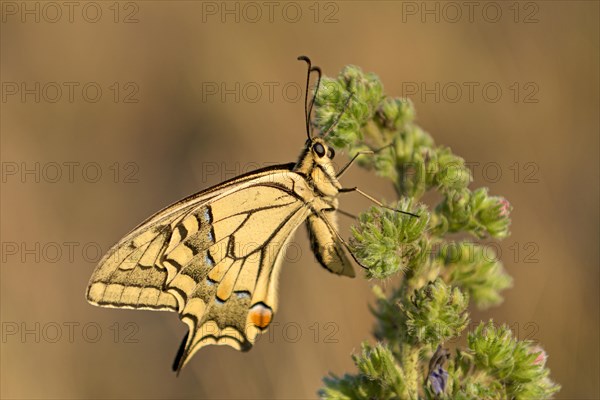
[(451, 171), (494, 214), (436, 313), (387, 241), (379, 377), (472, 268), (366, 91), (394, 113), (513, 362), (474, 212)]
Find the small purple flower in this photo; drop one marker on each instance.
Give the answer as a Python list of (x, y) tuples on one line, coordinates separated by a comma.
[(438, 379), (438, 376)]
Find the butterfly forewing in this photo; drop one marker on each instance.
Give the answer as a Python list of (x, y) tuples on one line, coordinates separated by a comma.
[(136, 261)]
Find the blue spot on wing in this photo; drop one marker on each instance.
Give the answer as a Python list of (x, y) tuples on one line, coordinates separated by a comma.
[(207, 216)]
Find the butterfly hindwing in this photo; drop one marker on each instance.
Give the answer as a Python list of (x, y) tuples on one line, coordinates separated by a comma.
[(228, 288), (326, 245)]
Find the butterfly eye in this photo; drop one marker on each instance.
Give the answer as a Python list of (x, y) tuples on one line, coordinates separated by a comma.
[(319, 149), (331, 153)]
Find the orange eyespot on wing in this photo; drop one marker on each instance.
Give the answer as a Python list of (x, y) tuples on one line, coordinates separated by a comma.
[(260, 315)]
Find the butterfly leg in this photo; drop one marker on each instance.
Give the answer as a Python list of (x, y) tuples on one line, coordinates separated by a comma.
[(347, 214), (360, 153), (374, 200), (339, 237)]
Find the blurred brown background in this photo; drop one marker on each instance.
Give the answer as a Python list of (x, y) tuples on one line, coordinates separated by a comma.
[(157, 131)]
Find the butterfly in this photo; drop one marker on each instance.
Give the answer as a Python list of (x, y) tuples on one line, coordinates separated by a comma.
[(214, 257)]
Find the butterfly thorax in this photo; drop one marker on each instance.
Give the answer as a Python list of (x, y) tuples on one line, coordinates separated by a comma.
[(315, 163)]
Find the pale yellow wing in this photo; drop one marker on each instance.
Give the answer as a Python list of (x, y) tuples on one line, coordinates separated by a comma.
[(214, 258), (131, 273), (326, 245), (225, 279)]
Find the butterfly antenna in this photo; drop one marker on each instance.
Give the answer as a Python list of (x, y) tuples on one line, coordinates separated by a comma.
[(312, 102), (307, 60), (337, 120)]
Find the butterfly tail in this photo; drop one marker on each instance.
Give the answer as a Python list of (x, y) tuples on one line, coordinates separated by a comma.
[(178, 362), (207, 334)]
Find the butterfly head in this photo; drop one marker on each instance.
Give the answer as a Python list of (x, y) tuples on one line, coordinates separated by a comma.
[(316, 164), (322, 152)]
